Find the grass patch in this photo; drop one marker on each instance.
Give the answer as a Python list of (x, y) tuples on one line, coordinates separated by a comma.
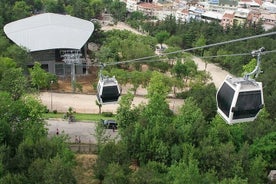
[(78, 116)]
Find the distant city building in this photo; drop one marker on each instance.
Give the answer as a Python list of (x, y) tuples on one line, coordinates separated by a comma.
[(132, 5), (269, 20), (149, 8), (212, 16), (248, 4), (241, 16), (213, 1), (228, 19), (226, 12), (271, 8), (182, 15)]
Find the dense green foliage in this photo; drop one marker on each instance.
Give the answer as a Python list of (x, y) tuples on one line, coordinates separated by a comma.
[(27, 154), (192, 146), (156, 145), (25, 148)]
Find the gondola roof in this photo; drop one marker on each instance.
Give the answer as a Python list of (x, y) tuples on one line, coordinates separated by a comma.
[(246, 84)]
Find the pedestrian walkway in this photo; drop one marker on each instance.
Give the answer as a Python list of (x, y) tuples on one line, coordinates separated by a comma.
[(78, 132), (217, 73), (84, 103)]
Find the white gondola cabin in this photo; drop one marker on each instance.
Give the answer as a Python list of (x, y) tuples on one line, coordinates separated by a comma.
[(108, 90), (239, 100)]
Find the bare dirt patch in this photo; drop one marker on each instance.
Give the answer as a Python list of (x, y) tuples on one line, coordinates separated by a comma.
[(84, 169), (86, 82)]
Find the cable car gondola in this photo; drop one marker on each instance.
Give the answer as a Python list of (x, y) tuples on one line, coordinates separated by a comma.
[(108, 90), (239, 100)]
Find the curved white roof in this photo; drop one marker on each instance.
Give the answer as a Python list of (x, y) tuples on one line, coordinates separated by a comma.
[(49, 31)]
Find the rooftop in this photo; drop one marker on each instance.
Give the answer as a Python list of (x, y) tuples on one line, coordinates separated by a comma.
[(49, 31)]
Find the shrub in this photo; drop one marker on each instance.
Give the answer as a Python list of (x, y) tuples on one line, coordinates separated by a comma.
[(107, 114)]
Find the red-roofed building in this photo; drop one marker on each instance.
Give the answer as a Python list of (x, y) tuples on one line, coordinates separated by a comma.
[(254, 16), (227, 20), (149, 8), (182, 15)]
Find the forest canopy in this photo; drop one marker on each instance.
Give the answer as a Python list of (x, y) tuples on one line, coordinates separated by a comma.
[(157, 145)]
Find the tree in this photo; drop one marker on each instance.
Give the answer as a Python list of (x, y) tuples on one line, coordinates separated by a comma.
[(21, 10), (126, 114), (13, 179), (136, 80), (110, 153), (40, 78), (100, 136), (115, 174), (118, 10), (150, 173), (201, 41), (157, 111), (191, 68), (96, 7), (265, 146), (189, 124), (57, 171), (174, 41), (6, 64), (234, 180), (161, 37), (53, 6), (155, 117), (19, 55), (185, 171), (262, 126), (179, 69), (4, 44), (36, 170), (14, 82), (157, 86), (257, 173), (204, 95)]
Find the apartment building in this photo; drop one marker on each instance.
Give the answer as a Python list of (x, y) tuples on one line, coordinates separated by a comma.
[(227, 14)]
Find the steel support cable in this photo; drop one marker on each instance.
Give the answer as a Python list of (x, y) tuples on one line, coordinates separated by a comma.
[(232, 55), (203, 57), (193, 48)]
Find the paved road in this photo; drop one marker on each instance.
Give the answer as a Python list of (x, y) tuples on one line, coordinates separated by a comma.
[(85, 103), (84, 131)]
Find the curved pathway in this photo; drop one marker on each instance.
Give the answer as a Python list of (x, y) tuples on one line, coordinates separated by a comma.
[(218, 74)]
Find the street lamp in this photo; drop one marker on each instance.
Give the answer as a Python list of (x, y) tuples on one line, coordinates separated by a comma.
[(51, 94)]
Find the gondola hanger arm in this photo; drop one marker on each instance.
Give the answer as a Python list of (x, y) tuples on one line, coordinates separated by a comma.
[(257, 69), (102, 65)]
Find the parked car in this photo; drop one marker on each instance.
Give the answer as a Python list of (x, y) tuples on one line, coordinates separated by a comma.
[(109, 123)]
